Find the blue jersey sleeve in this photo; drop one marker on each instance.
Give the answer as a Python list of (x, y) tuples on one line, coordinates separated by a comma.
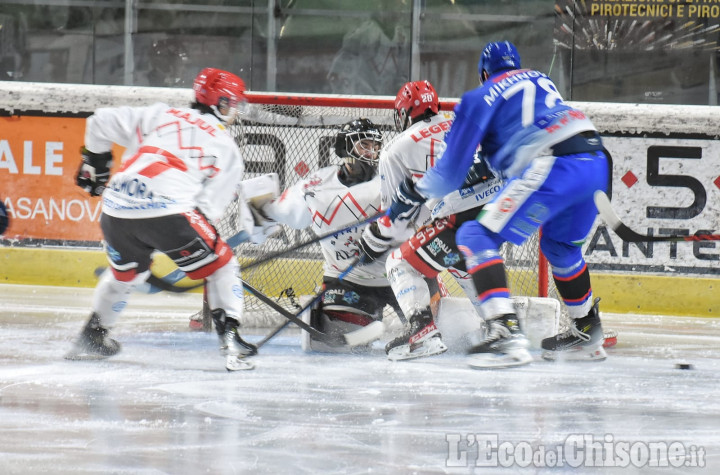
[(462, 140)]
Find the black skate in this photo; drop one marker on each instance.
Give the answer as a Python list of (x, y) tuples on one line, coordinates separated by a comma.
[(422, 338), (232, 346), (93, 343), (583, 341), (504, 345)]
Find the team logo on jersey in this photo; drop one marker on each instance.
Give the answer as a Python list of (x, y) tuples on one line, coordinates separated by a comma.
[(351, 297), (437, 246), (406, 291), (451, 259), (119, 306), (506, 205)]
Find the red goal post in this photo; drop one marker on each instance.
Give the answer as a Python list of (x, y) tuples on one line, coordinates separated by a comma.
[(293, 135)]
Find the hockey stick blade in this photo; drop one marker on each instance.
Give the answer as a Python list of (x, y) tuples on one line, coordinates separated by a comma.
[(628, 235), (366, 334), (358, 337)]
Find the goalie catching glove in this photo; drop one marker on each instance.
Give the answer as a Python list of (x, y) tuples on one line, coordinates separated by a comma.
[(94, 171), (406, 202), (257, 192)]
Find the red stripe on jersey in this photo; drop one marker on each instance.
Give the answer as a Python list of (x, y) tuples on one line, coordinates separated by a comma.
[(348, 196)]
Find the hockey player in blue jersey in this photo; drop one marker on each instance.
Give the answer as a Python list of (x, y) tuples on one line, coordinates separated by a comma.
[(553, 160)]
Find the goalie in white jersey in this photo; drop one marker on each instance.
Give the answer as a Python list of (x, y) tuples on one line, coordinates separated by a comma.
[(180, 169), (418, 261), (333, 198)]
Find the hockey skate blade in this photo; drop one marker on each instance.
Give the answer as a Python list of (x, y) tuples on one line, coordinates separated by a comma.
[(433, 346), (234, 363), (365, 335), (596, 353), (518, 357), (78, 354)]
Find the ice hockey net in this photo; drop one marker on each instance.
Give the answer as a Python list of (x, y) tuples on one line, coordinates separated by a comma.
[(293, 136)]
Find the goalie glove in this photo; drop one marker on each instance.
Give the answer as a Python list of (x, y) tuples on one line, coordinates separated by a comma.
[(94, 171), (263, 227), (406, 202), (372, 244)]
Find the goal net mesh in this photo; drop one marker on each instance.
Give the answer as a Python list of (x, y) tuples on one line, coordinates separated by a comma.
[(294, 136)]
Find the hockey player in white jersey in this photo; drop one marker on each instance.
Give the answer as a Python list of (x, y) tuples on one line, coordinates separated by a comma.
[(180, 169), (432, 249), (331, 199)]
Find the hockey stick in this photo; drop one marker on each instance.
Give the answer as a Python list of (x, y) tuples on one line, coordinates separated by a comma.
[(272, 334), (361, 336), (309, 242), (628, 235), (167, 283)]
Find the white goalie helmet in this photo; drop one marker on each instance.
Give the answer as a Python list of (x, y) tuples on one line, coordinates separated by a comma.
[(359, 141)]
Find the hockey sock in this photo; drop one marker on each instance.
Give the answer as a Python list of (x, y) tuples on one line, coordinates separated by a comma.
[(573, 285)]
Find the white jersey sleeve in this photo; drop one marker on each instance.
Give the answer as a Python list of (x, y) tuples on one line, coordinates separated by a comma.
[(290, 207), (113, 125)]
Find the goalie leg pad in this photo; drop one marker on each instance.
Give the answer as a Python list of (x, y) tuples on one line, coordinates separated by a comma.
[(357, 336), (539, 318)]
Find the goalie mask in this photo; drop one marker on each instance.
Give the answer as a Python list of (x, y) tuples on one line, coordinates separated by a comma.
[(359, 143), (415, 101), (221, 91)]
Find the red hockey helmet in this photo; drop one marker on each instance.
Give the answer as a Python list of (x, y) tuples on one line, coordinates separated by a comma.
[(219, 90), (414, 100)]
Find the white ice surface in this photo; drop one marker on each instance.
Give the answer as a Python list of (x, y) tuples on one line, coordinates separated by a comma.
[(165, 404)]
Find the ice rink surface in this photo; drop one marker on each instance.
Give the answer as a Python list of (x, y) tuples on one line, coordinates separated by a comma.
[(166, 405)]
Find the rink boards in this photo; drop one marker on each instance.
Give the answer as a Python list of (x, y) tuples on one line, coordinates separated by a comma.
[(664, 182), (621, 293)]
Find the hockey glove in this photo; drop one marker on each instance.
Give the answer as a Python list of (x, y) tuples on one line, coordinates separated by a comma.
[(94, 171), (372, 244), (406, 202)]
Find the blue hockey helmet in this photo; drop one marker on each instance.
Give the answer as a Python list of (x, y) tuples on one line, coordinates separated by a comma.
[(498, 56)]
